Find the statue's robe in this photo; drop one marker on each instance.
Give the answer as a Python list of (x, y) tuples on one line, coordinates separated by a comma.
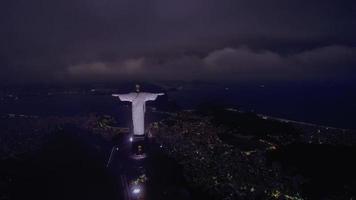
[(138, 101)]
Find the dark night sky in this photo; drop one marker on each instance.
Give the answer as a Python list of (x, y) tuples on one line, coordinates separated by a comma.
[(62, 40)]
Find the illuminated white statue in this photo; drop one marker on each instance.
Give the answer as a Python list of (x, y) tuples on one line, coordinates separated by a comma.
[(138, 100)]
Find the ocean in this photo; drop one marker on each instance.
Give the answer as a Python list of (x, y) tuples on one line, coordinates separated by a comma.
[(326, 104)]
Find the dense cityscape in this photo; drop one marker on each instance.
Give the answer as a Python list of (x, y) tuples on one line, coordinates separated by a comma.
[(224, 153)]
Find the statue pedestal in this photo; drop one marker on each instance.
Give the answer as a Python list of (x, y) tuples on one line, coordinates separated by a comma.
[(138, 147)]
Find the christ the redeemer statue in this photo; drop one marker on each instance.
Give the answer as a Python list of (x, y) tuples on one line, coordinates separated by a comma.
[(138, 100)]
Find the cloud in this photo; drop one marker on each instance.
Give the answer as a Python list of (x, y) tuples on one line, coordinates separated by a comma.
[(315, 63), (46, 37), (329, 55), (127, 67), (243, 59), (241, 63)]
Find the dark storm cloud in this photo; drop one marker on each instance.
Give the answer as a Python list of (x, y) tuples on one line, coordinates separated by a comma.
[(175, 39), (240, 63), (315, 63)]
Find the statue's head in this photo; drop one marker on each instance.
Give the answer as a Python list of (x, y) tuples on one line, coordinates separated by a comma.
[(137, 88)]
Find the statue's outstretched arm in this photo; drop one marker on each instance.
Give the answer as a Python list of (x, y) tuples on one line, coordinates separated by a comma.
[(152, 96), (124, 97)]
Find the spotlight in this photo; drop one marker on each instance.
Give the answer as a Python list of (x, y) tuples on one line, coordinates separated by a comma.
[(136, 190)]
